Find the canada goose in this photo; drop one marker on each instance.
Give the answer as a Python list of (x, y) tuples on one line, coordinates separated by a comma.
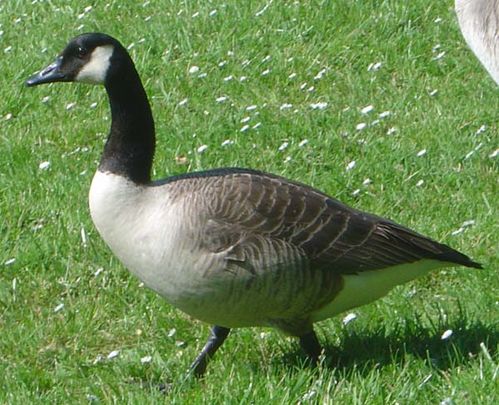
[(232, 247), (479, 22)]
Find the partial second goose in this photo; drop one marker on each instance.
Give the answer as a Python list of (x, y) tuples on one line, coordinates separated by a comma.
[(233, 247), (479, 23)]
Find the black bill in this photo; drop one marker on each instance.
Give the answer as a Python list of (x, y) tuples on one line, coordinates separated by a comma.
[(51, 73)]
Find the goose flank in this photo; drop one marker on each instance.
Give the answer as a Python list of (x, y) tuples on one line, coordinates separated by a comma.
[(232, 247)]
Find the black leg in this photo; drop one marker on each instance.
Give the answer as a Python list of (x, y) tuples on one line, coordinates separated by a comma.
[(217, 337), (311, 346)]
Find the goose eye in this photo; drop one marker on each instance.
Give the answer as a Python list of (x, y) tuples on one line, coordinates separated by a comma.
[(81, 52)]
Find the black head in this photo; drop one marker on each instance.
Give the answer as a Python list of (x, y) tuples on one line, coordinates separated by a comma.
[(87, 58)]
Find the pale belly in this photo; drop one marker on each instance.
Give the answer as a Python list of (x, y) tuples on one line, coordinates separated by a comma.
[(364, 288)]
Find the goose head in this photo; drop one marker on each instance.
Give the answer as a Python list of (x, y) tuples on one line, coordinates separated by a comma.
[(88, 58), (98, 58)]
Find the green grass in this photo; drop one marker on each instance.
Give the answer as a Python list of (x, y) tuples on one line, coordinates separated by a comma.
[(392, 353)]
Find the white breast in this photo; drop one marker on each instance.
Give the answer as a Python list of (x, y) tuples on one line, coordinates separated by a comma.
[(145, 229)]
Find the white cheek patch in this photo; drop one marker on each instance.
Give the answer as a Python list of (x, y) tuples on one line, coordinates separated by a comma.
[(94, 71)]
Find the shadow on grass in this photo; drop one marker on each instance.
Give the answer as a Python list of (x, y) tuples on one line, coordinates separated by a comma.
[(362, 350)]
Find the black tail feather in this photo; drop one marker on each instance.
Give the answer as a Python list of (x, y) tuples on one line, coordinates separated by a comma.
[(428, 248)]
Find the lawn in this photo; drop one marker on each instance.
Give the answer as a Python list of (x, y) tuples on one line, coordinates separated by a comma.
[(378, 103)]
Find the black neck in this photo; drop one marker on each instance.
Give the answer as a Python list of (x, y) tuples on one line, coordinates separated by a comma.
[(129, 150)]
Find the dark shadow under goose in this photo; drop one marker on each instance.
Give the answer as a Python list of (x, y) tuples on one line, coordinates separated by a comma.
[(233, 247)]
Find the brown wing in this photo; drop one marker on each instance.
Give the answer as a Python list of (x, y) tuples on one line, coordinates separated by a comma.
[(264, 216)]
